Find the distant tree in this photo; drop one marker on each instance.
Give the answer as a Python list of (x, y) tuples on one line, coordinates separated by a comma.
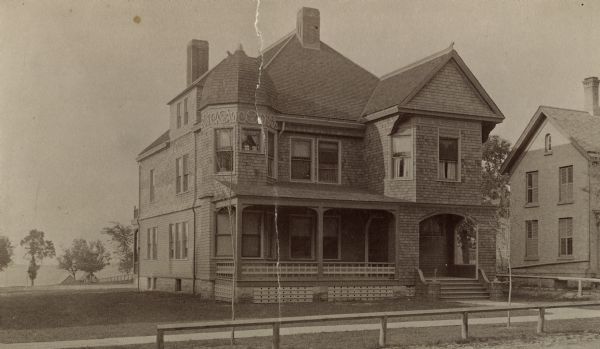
[(6, 252), (36, 249), (122, 237), (67, 262), (90, 257), (495, 187)]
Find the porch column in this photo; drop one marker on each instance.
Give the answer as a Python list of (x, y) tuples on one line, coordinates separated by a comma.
[(397, 256), (237, 253), (320, 212)]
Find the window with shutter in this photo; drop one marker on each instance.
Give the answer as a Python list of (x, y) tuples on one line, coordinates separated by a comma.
[(565, 232), (565, 193), (531, 241), (532, 187)]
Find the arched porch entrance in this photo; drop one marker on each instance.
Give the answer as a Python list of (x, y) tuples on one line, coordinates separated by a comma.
[(448, 246)]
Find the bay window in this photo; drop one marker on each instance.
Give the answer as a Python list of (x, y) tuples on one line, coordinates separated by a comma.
[(402, 149), (223, 150), (250, 140)]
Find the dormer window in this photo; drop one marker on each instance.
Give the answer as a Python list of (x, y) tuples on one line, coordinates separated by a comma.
[(548, 143), (402, 149)]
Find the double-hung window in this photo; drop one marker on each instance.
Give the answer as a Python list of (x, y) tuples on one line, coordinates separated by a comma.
[(178, 240), (181, 174), (531, 241), (185, 111), (328, 161), (301, 159), (565, 193), (178, 114), (224, 231), (532, 187), (251, 234), (224, 150), (331, 237), (271, 164), (251, 140), (301, 237), (565, 233), (448, 159), (402, 149), (152, 184), (151, 239)]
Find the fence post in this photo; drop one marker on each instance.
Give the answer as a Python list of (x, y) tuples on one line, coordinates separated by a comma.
[(276, 335), (579, 295), (541, 320), (383, 332), (464, 329), (160, 339)]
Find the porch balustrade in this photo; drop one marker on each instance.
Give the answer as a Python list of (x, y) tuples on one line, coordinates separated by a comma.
[(287, 270)]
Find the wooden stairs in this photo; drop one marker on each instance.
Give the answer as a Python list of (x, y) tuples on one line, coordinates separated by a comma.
[(462, 289)]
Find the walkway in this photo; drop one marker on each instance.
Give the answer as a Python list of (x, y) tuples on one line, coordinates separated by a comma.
[(552, 314)]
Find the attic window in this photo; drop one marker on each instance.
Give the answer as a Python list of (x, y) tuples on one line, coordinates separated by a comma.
[(548, 143)]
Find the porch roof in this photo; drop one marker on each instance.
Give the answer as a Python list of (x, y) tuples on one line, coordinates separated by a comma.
[(309, 191)]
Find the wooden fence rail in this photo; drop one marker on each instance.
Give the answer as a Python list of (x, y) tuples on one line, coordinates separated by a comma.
[(560, 278), (383, 317)]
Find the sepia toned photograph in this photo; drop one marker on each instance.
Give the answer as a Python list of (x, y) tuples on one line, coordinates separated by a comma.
[(337, 174)]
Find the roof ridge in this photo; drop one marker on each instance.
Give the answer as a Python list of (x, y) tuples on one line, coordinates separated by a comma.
[(431, 57), (569, 109), (279, 41), (285, 43)]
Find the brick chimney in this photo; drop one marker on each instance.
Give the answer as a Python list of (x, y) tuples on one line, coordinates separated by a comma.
[(197, 60), (308, 25), (590, 92)]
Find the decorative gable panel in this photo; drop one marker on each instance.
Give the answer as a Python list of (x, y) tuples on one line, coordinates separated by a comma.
[(450, 91)]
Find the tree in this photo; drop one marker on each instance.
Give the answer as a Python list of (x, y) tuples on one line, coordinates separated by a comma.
[(90, 257), (495, 187), (122, 237), (6, 252), (67, 262), (36, 248)]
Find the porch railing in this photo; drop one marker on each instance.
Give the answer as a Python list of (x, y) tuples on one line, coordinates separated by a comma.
[(261, 270)]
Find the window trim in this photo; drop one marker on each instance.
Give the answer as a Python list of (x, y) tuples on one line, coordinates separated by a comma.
[(412, 157), (312, 159), (312, 238), (339, 234), (339, 158), (275, 153), (458, 160), (233, 146), (547, 144), (532, 188)]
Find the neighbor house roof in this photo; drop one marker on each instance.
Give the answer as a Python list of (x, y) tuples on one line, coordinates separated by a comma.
[(582, 129), (163, 138)]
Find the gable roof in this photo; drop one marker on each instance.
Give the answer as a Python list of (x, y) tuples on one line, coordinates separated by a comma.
[(401, 86), (580, 127), (160, 140)]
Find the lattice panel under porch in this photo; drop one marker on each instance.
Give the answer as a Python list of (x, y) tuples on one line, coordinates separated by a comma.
[(288, 295), (223, 290), (364, 293)]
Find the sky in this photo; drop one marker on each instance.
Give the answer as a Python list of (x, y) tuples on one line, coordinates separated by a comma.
[(84, 85)]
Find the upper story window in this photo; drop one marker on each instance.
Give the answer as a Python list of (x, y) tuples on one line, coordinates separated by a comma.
[(223, 150), (565, 233), (271, 154), (565, 192), (250, 140), (151, 240), (548, 143), (178, 114), (402, 149), (532, 187), (301, 159), (328, 161), (531, 241), (178, 240), (448, 159), (185, 111), (181, 174), (152, 185)]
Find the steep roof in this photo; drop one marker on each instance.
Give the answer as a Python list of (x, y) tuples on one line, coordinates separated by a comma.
[(582, 129), (160, 140)]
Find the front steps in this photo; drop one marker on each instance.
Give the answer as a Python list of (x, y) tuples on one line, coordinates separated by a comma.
[(462, 289)]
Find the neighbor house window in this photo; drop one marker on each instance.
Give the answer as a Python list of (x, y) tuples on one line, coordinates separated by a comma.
[(224, 231), (151, 239), (565, 233), (402, 149), (301, 237), (301, 162), (271, 142), (250, 141), (178, 245), (331, 237), (251, 234), (532, 187), (565, 175), (185, 111), (179, 115), (181, 174), (152, 183), (224, 150), (548, 143), (448, 158), (328, 161), (531, 242)]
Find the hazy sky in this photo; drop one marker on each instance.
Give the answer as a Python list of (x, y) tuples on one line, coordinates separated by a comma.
[(83, 87)]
